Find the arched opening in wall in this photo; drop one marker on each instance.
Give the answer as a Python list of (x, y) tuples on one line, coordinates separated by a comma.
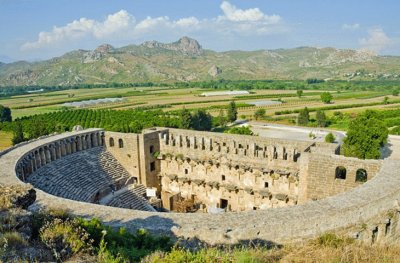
[(340, 173), (120, 143), (151, 149), (223, 203), (361, 176), (111, 142), (186, 171), (152, 166), (223, 178), (266, 184)]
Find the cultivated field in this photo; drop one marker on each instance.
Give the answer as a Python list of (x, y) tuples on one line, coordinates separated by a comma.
[(171, 99)]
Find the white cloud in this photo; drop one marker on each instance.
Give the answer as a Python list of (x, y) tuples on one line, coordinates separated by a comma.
[(188, 22), (114, 23), (376, 41), (123, 26), (232, 13), (351, 27)]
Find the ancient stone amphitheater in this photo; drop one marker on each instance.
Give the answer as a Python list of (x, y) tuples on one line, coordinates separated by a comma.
[(217, 188)]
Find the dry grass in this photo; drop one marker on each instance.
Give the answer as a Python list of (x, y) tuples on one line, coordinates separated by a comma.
[(355, 253), (328, 248)]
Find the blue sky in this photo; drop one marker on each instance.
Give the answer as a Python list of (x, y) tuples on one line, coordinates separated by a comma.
[(41, 29)]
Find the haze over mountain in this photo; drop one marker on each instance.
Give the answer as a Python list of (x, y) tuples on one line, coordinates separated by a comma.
[(186, 60)]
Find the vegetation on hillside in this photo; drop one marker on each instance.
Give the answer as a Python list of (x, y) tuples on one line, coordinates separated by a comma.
[(144, 63)]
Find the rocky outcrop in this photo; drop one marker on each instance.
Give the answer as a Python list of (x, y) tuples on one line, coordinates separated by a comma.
[(185, 45), (214, 71), (97, 54), (105, 48), (27, 76)]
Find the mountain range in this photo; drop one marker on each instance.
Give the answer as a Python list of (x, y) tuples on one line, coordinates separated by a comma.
[(186, 60)]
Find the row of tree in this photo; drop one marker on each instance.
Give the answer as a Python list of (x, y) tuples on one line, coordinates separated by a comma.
[(133, 121), (315, 84)]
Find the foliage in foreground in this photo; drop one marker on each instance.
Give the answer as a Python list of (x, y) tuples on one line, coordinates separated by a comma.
[(328, 248)]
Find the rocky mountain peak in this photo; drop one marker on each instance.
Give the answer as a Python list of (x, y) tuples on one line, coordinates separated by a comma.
[(105, 48), (189, 46), (185, 45)]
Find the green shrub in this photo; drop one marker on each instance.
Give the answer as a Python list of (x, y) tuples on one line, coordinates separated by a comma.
[(244, 130), (65, 238), (39, 219), (330, 138), (12, 240), (120, 244)]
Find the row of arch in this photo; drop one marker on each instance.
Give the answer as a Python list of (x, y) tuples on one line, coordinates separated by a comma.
[(361, 174), (111, 143), (48, 153), (244, 149)]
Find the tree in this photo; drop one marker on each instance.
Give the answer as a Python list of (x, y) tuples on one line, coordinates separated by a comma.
[(326, 97), (232, 112), (330, 138), (258, 114), (202, 121), (185, 119), (321, 118), (221, 118), (395, 92), (304, 117), (5, 114), (365, 135), (299, 93), (18, 133)]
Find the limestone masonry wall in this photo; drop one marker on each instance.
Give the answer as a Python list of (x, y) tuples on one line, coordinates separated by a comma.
[(365, 210), (124, 147), (322, 180)]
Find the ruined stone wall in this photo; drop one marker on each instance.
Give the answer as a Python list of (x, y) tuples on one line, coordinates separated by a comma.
[(230, 171), (125, 148), (323, 174)]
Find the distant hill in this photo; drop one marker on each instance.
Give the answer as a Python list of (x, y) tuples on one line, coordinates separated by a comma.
[(186, 60)]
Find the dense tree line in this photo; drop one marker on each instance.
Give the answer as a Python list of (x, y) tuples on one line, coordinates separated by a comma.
[(392, 86), (7, 91), (133, 121)]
